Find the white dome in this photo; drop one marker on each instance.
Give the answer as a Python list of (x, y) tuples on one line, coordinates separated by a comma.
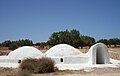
[(61, 50), (25, 52)]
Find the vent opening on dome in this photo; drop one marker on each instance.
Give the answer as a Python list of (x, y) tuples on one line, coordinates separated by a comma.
[(19, 61), (61, 59)]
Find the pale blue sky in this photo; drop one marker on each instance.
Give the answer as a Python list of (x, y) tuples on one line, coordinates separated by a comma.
[(38, 19)]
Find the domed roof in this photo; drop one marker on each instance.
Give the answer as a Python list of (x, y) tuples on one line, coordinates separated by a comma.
[(61, 50), (25, 52)]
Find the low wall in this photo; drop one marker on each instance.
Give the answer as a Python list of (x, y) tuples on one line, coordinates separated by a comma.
[(70, 60), (8, 61), (56, 60), (75, 60)]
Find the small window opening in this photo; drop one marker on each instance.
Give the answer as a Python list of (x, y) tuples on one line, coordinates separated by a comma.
[(61, 59), (19, 61)]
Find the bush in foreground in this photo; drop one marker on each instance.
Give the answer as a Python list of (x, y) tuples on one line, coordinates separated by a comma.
[(29, 64), (42, 65), (46, 65)]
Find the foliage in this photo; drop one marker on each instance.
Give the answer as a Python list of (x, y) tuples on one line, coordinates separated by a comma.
[(25, 42), (113, 41), (72, 37), (41, 45), (68, 37), (87, 41), (6, 43), (75, 38), (42, 65), (105, 41), (15, 44)]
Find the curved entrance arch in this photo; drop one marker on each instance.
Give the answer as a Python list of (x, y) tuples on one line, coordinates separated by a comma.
[(98, 54)]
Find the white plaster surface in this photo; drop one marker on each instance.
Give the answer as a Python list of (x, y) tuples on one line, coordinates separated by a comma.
[(114, 64), (75, 60), (25, 52), (99, 50), (61, 50)]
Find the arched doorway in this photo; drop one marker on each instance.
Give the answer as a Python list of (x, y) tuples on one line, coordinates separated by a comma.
[(100, 55)]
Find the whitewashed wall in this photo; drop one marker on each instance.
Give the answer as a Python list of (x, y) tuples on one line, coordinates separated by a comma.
[(75, 60)]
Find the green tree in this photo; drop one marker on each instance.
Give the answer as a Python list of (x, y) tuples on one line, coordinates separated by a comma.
[(41, 44), (75, 38), (54, 39), (68, 37), (72, 37), (87, 41), (25, 42), (105, 41), (13, 45), (6, 43), (114, 41), (82, 42)]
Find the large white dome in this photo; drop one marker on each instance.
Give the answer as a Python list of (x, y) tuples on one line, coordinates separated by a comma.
[(25, 52), (61, 50)]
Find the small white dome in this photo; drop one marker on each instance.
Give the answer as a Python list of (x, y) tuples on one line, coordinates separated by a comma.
[(61, 50), (25, 52)]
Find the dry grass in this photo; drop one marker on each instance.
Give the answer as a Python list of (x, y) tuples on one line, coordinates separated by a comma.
[(46, 65), (29, 64), (42, 65), (116, 50)]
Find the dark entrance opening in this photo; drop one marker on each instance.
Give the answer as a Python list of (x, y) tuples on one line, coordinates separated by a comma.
[(100, 58)]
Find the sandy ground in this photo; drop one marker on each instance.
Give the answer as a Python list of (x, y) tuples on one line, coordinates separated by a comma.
[(93, 71)]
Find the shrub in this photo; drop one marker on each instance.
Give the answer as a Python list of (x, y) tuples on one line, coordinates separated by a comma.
[(42, 65), (29, 64), (46, 65)]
